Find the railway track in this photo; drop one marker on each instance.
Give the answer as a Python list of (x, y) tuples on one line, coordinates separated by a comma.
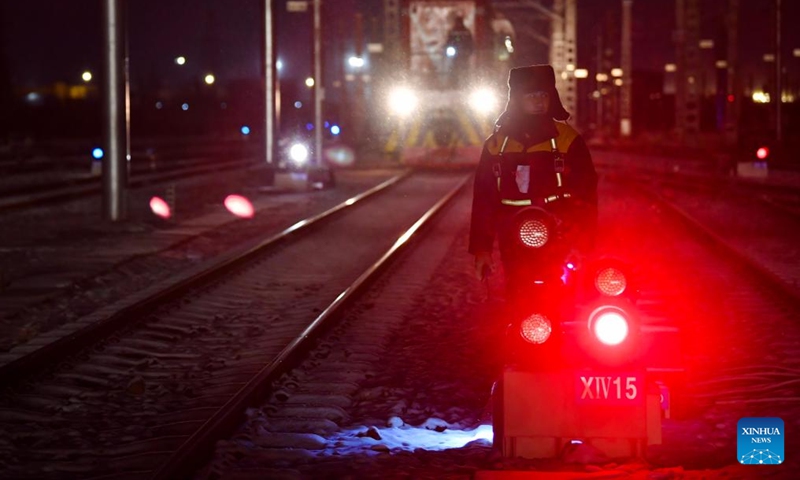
[(423, 369), (404, 360), (83, 185), (158, 375)]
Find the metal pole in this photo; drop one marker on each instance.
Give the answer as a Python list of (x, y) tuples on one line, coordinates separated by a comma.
[(269, 90), (600, 124), (778, 82), (627, 74), (732, 110), (570, 94), (557, 59), (115, 113), (319, 91)]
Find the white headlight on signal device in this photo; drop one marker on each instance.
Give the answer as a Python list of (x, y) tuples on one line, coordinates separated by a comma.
[(483, 100), (610, 324), (402, 101)]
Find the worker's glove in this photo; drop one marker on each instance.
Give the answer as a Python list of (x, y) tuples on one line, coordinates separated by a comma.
[(484, 266)]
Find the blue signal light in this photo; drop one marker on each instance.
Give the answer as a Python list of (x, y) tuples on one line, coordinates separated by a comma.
[(245, 130), (335, 130), (97, 153)]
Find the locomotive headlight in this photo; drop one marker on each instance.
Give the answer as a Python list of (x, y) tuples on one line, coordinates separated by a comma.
[(610, 281), (536, 329), (483, 101), (298, 153), (402, 101), (610, 325)]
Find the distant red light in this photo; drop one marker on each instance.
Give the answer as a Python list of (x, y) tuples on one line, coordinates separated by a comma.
[(159, 207), (731, 98), (762, 153), (239, 206)]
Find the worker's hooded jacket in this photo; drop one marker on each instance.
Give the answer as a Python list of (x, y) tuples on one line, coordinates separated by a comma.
[(525, 162)]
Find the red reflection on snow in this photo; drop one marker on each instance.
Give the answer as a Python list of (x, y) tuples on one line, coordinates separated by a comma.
[(159, 207), (239, 206)]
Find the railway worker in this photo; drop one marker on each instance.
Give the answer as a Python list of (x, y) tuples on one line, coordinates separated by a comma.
[(539, 155), (458, 49)]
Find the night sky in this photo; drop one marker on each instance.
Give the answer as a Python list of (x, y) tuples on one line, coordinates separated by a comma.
[(46, 40)]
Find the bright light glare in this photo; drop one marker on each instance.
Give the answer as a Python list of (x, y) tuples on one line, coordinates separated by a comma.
[(536, 329), (309, 82), (451, 51), (298, 153), (159, 207), (509, 45), (340, 155), (245, 130), (87, 76), (356, 62), (180, 60), (279, 65), (616, 72), (762, 153), (239, 206), (97, 153), (761, 97), (483, 101), (209, 79), (581, 73), (402, 101), (335, 130), (610, 328)]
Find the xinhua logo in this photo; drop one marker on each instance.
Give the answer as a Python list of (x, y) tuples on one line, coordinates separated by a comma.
[(759, 441)]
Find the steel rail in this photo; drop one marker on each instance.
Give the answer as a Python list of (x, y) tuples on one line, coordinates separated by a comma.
[(735, 254), (40, 359), (82, 187), (189, 456)]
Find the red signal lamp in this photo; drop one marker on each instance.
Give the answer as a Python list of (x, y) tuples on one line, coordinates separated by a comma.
[(762, 153)]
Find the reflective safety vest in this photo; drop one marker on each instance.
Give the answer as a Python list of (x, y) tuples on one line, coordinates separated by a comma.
[(533, 175)]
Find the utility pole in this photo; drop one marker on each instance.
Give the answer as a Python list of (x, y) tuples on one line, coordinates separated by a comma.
[(627, 73), (116, 112), (599, 123), (778, 75), (557, 54), (359, 108), (732, 83), (270, 90), (571, 58), (319, 90), (391, 30), (687, 102)]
